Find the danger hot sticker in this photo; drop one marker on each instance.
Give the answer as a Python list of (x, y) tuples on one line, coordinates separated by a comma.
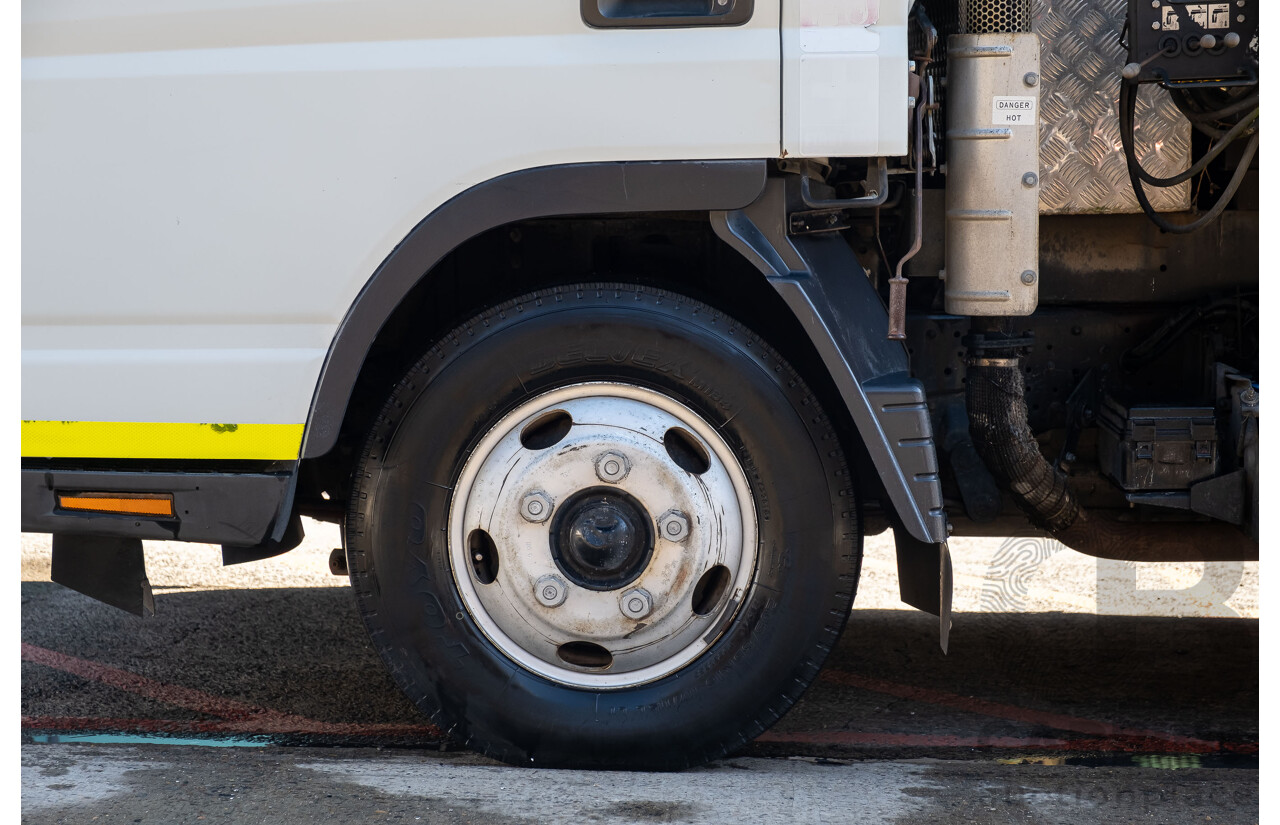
[(1013, 110)]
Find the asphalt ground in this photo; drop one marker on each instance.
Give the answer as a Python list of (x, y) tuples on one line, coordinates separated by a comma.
[(1073, 690)]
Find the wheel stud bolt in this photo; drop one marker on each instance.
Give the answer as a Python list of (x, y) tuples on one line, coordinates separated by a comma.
[(636, 603), (550, 591), (673, 525), (612, 466), (535, 507)]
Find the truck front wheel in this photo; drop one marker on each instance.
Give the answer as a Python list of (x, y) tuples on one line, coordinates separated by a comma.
[(603, 526)]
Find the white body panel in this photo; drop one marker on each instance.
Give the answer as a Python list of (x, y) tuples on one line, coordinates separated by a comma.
[(844, 67), (206, 186)]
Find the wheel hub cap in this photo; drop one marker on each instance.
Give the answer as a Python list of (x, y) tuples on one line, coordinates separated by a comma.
[(634, 511), (601, 539)]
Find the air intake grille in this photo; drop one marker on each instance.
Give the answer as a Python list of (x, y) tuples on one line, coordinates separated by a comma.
[(994, 16)]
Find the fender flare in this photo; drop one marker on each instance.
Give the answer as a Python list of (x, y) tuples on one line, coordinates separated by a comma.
[(826, 287)]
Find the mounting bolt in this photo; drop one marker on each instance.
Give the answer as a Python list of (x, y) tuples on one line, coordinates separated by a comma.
[(1029, 180), (612, 467), (550, 591), (1249, 397), (673, 526), (1031, 78), (1155, 25), (636, 603), (1155, 4), (536, 507), (1028, 277)]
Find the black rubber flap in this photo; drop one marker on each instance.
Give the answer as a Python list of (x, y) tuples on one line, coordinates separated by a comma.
[(107, 568)]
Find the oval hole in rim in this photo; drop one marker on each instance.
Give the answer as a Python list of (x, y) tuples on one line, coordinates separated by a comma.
[(585, 654), (546, 430), (686, 451), (710, 590), (484, 556)]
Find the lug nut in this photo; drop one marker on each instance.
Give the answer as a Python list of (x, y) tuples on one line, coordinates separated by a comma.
[(673, 526), (536, 507), (550, 591), (612, 467), (636, 603)]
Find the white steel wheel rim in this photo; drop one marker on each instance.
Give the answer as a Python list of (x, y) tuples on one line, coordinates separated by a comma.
[(690, 585)]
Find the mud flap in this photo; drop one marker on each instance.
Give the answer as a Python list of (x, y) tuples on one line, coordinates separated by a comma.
[(291, 538), (286, 534), (109, 569), (925, 579)]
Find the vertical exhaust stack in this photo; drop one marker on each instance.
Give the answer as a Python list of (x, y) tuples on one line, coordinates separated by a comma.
[(993, 161)]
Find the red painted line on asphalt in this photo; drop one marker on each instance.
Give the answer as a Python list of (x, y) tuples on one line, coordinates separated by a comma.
[(125, 680), (1124, 744), (96, 723), (923, 740), (240, 717), (1014, 713)]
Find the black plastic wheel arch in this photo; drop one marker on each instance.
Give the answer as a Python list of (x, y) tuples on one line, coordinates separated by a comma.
[(822, 282)]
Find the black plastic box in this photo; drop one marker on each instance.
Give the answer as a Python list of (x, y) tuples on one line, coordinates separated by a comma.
[(1156, 447)]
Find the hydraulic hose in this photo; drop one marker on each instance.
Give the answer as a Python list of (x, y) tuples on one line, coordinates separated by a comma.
[(1128, 99)]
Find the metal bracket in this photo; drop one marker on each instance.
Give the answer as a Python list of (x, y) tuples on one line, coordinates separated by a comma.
[(877, 192), (804, 223)]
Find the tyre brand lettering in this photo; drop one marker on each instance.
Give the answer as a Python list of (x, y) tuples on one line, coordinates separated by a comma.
[(418, 524), (432, 612), (673, 702), (711, 392), (423, 563), (647, 357)]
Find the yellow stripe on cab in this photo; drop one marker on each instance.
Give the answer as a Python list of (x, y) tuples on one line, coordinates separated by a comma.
[(136, 439)]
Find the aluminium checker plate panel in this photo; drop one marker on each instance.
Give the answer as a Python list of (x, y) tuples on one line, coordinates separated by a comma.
[(1082, 167)]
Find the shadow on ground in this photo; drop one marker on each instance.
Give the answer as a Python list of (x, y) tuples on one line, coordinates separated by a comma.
[(303, 652)]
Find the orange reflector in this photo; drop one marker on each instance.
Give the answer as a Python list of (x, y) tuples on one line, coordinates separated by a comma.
[(124, 504)]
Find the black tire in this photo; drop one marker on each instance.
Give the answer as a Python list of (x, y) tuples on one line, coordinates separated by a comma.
[(807, 562)]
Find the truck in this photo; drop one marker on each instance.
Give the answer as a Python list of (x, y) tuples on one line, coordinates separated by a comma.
[(607, 329)]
